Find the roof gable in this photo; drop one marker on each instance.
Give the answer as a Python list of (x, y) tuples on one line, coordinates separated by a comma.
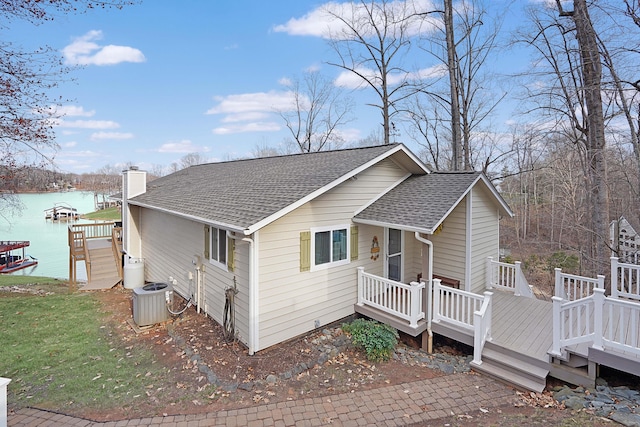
[(422, 202), (245, 195)]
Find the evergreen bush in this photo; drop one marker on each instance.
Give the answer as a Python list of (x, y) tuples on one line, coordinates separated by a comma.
[(377, 339)]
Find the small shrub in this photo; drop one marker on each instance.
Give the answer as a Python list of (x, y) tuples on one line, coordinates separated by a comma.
[(377, 339), (569, 263)]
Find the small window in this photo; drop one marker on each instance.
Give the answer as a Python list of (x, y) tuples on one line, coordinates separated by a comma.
[(218, 248), (330, 246)]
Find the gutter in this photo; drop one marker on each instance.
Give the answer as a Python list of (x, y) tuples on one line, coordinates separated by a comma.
[(429, 297)]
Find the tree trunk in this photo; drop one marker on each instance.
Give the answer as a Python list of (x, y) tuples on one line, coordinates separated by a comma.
[(456, 142), (597, 170)]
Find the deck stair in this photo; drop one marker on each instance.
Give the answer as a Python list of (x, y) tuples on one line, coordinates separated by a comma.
[(514, 368), (104, 269)]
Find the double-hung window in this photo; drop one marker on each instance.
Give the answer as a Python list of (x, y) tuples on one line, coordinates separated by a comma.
[(329, 246), (218, 248)]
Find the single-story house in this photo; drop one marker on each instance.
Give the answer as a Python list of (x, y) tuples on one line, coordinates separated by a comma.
[(291, 233)]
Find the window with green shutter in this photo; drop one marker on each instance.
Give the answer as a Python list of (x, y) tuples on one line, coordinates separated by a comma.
[(216, 247)]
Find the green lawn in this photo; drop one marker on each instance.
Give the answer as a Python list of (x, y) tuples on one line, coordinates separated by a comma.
[(61, 355), (109, 214)]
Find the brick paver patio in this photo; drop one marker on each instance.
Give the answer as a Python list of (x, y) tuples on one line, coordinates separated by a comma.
[(404, 404)]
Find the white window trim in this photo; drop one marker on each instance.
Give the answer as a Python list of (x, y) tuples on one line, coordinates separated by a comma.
[(329, 264), (215, 262)]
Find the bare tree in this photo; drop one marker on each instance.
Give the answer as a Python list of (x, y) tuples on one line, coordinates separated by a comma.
[(591, 70), (459, 112), (192, 159), (27, 79), (319, 110), (374, 38)]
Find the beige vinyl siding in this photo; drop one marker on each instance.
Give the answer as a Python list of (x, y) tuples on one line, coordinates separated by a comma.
[(449, 245), (291, 301), (412, 258), (170, 246), (485, 235)]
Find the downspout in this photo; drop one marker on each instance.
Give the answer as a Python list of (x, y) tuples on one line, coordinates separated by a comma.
[(428, 290), (253, 317)]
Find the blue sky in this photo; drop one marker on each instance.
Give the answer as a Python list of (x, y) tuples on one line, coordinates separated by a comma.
[(166, 78)]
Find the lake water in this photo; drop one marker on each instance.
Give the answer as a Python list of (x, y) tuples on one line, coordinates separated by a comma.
[(48, 238)]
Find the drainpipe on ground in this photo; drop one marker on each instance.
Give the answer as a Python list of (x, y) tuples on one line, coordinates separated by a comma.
[(427, 291)]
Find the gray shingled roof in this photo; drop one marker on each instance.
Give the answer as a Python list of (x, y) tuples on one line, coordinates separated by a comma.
[(420, 202), (241, 193)]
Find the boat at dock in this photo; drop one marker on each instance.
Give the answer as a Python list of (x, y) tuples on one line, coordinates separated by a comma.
[(13, 256), (61, 212)]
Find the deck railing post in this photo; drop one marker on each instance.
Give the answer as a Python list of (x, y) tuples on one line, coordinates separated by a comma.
[(436, 299), (598, 309), (360, 286), (429, 301), (614, 277), (415, 304), (489, 273), (600, 284), (4, 382), (477, 340), (518, 280), (557, 325), (559, 288)]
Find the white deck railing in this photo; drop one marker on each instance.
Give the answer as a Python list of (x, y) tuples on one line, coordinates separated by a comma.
[(571, 287), (502, 275), (454, 305), (584, 320), (625, 280), (389, 296)]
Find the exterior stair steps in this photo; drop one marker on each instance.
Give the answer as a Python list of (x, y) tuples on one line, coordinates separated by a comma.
[(518, 370)]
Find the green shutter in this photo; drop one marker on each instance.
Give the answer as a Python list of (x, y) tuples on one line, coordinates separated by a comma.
[(231, 248), (305, 251), (207, 244), (354, 243)]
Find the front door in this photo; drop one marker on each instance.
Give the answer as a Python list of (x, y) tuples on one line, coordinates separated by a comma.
[(394, 254)]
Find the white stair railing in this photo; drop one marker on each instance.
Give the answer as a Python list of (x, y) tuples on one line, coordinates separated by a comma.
[(482, 327), (573, 322)]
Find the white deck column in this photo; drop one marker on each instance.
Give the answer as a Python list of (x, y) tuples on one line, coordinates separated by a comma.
[(416, 301), (4, 382), (360, 286), (598, 308), (614, 277), (559, 291), (556, 324)]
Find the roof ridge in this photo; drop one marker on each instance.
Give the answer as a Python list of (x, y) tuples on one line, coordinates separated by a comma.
[(281, 156)]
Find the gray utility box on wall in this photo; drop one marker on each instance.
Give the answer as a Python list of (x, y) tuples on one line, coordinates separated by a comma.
[(149, 303)]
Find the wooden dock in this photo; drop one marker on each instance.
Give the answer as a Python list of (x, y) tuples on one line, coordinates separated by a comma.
[(104, 268)]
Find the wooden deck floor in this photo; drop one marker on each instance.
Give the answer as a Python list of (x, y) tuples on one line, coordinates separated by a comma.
[(523, 325)]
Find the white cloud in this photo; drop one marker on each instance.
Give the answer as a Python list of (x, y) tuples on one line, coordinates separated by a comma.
[(184, 146), (248, 127), (111, 135), (321, 21), (71, 110), (85, 51), (70, 144), (89, 124), (259, 101), (251, 116)]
